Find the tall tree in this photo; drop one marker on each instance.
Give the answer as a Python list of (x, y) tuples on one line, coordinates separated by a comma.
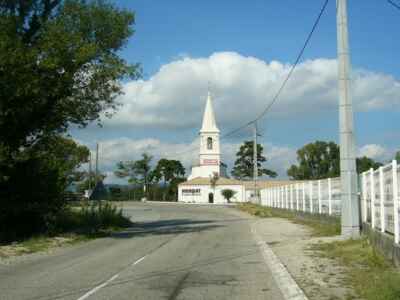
[(137, 172), (397, 157), (170, 171), (59, 67), (320, 160), (316, 160), (365, 163), (243, 167)]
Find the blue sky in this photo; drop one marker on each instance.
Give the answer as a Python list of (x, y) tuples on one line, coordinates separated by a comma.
[(176, 38)]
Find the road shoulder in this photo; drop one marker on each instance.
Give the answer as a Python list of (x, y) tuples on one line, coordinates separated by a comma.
[(319, 278)]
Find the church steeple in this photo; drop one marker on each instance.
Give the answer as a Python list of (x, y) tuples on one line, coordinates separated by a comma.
[(209, 123)]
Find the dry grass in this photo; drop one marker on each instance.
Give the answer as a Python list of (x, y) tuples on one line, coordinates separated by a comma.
[(316, 223), (368, 272)]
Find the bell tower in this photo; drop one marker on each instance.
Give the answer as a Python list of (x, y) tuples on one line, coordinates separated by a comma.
[(210, 156)]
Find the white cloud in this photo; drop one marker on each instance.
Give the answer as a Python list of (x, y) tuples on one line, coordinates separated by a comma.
[(374, 151), (114, 150), (174, 97)]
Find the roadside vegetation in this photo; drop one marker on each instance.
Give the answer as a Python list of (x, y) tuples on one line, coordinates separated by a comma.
[(71, 225), (368, 272), (320, 227)]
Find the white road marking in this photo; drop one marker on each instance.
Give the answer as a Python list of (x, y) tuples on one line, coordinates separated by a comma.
[(91, 292), (97, 288), (139, 260), (285, 282)]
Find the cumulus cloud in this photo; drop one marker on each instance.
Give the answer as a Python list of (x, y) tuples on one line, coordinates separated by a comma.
[(374, 151), (121, 149), (242, 86)]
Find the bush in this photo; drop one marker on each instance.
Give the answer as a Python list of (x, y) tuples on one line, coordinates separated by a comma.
[(90, 219), (30, 198)]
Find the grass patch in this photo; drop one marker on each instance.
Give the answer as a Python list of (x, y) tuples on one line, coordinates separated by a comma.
[(72, 225), (320, 225), (369, 273)]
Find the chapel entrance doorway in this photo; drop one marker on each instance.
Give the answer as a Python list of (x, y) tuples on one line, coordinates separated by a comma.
[(210, 198)]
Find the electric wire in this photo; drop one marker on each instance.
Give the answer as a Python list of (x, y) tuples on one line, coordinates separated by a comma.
[(394, 4), (282, 87), (284, 83)]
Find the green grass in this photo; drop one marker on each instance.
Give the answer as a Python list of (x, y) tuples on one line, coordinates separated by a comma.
[(72, 225), (320, 227), (368, 272)]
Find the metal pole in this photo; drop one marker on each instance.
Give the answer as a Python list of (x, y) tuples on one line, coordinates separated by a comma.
[(255, 161), (349, 183), (90, 171), (97, 163)]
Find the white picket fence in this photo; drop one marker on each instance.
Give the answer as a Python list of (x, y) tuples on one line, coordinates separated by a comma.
[(379, 197), (316, 196)]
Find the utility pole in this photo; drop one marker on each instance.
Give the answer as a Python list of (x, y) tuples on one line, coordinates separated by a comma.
[(348, 173), (90, 171), (255, 163), (97, 163)]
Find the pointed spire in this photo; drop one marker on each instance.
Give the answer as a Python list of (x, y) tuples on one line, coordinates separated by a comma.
[(209, 123)]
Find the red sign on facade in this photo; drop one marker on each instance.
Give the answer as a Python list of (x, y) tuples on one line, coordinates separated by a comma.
[(210, 162)]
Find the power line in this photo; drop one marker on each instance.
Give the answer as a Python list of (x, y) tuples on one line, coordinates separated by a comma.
[(299, 56), (394, 4), (275, 98)]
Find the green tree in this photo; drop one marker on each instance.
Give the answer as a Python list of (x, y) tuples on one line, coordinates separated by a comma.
[(228, 194), (365, 163), (137, 172), (397, 157), (316, 160), (320, 160), (59, 67), (243, 167), (169, 171), (36, 185)]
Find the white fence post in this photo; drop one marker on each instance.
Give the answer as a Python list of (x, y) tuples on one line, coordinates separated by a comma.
[(330, 196), (395, 202), (372, 187), (364, 197), (304, 196), (382, 199), (291, 197), (311, 197), (286, 197), (297, 197), (273, 197), (319, 197)]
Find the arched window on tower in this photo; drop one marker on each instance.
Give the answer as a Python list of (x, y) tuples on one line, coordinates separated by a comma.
[(209, 143)]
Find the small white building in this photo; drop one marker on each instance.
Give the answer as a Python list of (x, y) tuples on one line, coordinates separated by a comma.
[(198, 188)]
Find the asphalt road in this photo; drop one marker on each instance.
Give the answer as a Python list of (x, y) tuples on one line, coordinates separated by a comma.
[(174, 252)]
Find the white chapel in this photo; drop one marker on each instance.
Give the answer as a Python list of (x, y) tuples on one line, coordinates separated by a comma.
[(198, 188)]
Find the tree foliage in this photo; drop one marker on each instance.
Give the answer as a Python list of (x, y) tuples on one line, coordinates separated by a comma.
[(171, 172), (320, 160), (137, 172), (228, 194), (365, 163), (316, 160), (397, 157), (59, 67), (243, 168), (33, 193)]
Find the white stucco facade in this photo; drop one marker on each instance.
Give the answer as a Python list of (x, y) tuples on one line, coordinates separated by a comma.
[(200, 190)]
